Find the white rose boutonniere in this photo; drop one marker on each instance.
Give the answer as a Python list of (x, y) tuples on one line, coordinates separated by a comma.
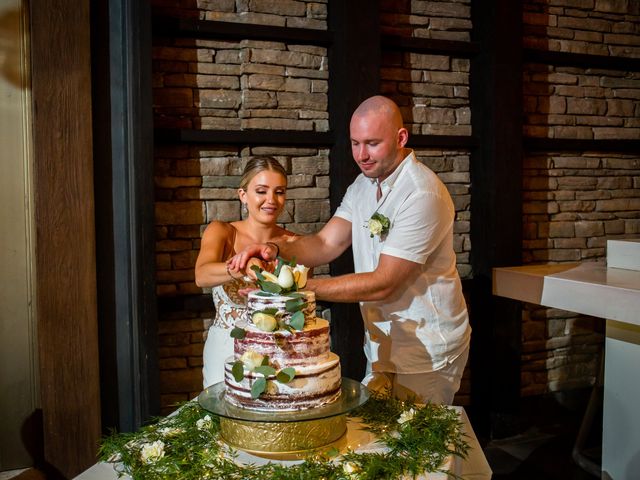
[(378, 225)]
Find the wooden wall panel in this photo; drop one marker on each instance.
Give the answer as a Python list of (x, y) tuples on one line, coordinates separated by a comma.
[(65, 233)]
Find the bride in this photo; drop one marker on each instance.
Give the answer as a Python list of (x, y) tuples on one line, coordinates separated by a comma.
[(262, 193)]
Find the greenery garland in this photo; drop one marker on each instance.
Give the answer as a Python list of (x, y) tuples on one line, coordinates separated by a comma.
[(188, 446)]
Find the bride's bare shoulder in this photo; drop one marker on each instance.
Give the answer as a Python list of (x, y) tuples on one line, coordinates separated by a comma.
[(219, 229)]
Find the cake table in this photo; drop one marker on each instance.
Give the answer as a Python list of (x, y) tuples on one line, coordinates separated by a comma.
[(474, 467)]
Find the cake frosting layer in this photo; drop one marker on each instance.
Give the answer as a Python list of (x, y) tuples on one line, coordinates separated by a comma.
[(259, 301), (288, 348), (312, 386)]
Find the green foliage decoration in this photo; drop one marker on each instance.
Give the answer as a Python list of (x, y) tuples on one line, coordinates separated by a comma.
[(188, 446)]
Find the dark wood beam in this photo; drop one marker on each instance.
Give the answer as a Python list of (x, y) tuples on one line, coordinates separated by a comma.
[(581, 145), (193, 28), (293, 138), (124, 171), (582, 60), (496, 208), (432, 46), (65, 246), (355, 59), (245, 137)]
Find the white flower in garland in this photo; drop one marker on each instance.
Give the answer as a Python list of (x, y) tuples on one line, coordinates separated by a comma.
[(378, 224), (168, 432), (204, 423), (350, 468), (406, 416), (152, 452)]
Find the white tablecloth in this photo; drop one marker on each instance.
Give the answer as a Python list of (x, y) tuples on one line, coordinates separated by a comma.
[(474, 467)]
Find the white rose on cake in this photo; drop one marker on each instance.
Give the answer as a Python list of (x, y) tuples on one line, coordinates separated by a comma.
[(289, 278), (251, 359), (285, 279), (300, 273)]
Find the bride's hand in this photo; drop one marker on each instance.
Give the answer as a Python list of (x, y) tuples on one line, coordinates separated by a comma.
[(250, 272)]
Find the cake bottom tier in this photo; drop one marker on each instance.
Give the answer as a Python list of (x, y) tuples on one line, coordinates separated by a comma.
[(311, 387)]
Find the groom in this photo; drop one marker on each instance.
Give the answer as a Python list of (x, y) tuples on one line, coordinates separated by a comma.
[(398, 217)]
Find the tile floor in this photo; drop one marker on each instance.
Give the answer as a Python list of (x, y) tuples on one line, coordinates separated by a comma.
[(542, 448)]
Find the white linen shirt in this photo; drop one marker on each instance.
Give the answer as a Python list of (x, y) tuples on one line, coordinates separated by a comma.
[(425, 324)]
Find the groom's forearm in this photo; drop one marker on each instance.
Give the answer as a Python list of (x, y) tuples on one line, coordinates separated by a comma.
[(352, 287), (391, 275)]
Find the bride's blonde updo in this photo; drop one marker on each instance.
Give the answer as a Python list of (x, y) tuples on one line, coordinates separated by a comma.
[(257, 165)]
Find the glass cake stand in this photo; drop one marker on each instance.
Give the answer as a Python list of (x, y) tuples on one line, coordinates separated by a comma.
[(285, 434)]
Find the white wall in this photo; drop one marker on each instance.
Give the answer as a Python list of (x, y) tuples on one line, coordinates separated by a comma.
[(18, 346)]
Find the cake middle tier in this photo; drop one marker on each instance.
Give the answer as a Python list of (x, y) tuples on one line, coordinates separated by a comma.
[(288, 348)]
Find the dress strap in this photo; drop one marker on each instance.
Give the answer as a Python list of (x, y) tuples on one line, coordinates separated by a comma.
[(233, 241)]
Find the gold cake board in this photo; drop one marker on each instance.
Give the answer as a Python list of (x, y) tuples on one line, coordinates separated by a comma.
[(284, 441), (284, 435)]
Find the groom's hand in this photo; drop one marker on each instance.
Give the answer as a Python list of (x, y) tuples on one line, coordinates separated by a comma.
[(265, 251)]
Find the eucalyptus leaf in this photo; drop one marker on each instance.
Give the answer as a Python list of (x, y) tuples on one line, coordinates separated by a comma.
[(296, 295), (265, 370), (269, 311), (238, 333), (286, 375), (297, 321), (259, 386), (238, 371), (262, 294), (265, 360), (279, 265), (258, 271), (271, 287), (294, 304)]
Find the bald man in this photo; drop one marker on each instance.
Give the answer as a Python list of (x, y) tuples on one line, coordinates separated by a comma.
[(416, 324)]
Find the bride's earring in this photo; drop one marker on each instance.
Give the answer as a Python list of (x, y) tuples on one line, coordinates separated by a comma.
[(245, 209)]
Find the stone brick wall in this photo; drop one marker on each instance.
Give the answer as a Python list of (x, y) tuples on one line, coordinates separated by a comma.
[(453, 169), (220, 85), (596, 27), (575, 201), (443, 20), (431, 90), (563, 102), (280, 13)]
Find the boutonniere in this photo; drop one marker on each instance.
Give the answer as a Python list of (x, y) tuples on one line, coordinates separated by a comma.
[(378, 224)]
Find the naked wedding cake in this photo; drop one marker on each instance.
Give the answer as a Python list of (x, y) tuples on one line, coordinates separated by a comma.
[(281, 357)]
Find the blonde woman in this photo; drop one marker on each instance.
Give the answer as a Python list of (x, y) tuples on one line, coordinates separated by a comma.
[(262, 192)]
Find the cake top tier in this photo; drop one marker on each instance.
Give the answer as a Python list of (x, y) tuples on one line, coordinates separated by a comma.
[(287, 277), (271, 312)]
